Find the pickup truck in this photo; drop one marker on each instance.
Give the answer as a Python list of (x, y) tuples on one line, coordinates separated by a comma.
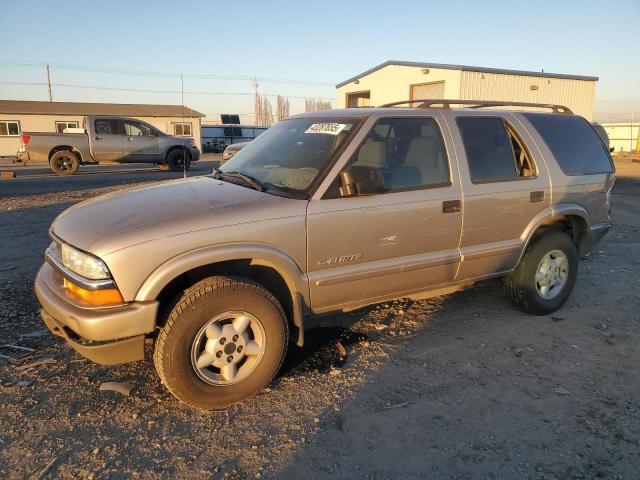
[(107, 139)]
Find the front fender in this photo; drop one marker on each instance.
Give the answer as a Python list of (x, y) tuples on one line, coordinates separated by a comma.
[(259, 254)]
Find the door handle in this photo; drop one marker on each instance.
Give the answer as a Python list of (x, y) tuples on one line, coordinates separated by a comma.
[(98, 137), (451, 206), (536, 197), (130, 139)]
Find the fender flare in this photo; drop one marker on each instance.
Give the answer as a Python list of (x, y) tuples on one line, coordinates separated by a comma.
[(258, 254), (549, 215)]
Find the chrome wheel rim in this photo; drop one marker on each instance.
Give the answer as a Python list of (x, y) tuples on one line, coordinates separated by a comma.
[(228, 348), (552, 274)]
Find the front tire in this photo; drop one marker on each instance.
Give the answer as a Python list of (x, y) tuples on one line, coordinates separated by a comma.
[(546, 274), (223, 341), (64, 162), (179, 159)]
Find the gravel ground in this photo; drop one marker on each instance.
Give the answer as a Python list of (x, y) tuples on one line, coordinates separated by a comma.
[(460, 386)]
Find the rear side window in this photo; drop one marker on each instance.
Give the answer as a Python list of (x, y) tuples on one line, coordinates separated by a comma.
[(494, 152), (574, 143), (108, 126)]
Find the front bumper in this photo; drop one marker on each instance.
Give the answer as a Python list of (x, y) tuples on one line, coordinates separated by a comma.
[(104, 335), (195, 154)]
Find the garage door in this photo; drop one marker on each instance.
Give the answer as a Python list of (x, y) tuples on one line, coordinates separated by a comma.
[(427, 90)]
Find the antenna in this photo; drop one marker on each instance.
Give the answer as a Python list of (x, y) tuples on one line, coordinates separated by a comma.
[(184, 149)]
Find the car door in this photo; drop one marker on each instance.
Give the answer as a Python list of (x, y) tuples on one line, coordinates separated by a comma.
[(142, 144), (367, 247), (505, 184), (108, 139)]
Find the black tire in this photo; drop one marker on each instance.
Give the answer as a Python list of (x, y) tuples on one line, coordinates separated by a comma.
[(64, 162), (521, 285), (179, 159), (192, 311)]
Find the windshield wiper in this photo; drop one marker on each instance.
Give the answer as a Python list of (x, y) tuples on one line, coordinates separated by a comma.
[(248, 180)]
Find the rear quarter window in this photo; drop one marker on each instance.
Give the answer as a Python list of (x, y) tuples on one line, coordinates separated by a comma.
[(573, 142)]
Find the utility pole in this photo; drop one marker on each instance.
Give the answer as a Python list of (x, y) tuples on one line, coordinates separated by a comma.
[(631, 146), (49, 84)]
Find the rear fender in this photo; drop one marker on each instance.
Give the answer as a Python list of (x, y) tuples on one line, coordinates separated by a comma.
[(550, 216)]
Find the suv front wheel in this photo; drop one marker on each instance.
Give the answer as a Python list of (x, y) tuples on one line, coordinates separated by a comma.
[(545, 276), (223, 341)]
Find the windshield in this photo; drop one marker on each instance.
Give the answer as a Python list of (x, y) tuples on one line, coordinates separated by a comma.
[(291, 155)]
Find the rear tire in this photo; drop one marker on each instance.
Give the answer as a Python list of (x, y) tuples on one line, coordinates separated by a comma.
[(64, 162), (546, 274), (196, 331), (179, 159)]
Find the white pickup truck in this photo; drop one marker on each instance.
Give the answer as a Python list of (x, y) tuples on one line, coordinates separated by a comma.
[(107, 139)]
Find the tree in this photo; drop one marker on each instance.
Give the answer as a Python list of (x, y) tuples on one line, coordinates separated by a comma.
[(315, 105), (266, 119), (282, 109), (262, 107)]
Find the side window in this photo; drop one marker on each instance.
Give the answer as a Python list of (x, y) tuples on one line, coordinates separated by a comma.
[(108, 126), (494, 151), (574, 143), (61, 126), (9, 128), (407, 153), (136, 129), (182, 129)]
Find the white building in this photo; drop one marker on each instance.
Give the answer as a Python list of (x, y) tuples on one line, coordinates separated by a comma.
[(623, 137), (397, 80)]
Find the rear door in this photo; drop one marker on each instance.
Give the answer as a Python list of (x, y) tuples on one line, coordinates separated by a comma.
[(365, 248), (506, 185), (108, 139), (142, 145)]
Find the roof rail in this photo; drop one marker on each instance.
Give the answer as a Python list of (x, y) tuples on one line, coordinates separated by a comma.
[(440, 103)]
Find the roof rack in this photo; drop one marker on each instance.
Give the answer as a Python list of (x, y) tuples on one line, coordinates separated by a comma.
[(440, 103)]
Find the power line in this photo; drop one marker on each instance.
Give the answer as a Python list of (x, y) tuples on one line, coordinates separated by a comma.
[(122, 71), (146, 90)]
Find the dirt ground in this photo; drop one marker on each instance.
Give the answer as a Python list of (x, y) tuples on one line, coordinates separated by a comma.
[(462, 386)]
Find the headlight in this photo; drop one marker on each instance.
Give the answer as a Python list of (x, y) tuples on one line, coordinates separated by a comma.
[(84, 264), (192, 143)]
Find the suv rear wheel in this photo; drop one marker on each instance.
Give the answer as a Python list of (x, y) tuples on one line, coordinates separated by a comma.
[(224, 340), (545, 276)]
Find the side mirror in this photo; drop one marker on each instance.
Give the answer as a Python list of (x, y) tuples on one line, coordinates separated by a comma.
[(361, 180)]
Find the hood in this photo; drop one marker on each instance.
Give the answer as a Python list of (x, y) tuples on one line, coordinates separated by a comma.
[(128, 217)]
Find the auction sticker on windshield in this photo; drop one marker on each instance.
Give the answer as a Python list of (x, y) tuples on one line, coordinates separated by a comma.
[(327, 128)]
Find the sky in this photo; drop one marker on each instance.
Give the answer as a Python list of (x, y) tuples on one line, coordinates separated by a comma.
[(302, 49)]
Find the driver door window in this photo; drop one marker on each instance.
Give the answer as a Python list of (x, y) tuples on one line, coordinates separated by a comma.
[(405, 154), (136, 129)]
